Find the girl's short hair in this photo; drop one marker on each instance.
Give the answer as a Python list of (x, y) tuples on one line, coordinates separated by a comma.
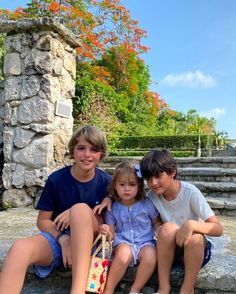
[(156, 162), (93, 135), (126, 167)]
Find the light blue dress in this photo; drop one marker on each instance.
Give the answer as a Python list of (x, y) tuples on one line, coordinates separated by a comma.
[(133, 225)]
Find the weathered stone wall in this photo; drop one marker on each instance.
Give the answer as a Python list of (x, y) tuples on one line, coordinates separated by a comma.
[(40, 71), (1, 139), (1, 112)]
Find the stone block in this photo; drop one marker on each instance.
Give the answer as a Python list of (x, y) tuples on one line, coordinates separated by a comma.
[(35, 110), (31, 86), (18, 176), (22, 137), (16, 198), (50, 88), (42, 61), (13, 86), (38, 154), (12, 65)]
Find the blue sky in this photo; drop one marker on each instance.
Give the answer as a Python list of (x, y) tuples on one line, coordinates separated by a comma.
[(193, 54)]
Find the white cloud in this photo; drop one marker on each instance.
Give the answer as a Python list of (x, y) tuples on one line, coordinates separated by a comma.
[(190, 79), (215, 113)]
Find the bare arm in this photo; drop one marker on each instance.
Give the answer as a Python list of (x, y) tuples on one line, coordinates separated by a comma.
[(157, 222), (211, 227), (106, 203), (44, 223), (62, 221)]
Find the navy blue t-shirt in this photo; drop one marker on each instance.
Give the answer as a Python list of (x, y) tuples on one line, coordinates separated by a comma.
[(62, 191)]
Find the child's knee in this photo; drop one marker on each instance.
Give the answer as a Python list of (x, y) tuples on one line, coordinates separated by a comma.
[(20, 251), (17, 247), (196, 240), (149, 255), (167, 230), (123, 254), (80, 211)]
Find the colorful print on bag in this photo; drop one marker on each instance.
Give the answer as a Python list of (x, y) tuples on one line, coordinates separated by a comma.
[(99, 266)]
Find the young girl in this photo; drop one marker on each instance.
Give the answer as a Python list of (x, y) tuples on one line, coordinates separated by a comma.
[(186, 217), (67, 201), (131, 223)]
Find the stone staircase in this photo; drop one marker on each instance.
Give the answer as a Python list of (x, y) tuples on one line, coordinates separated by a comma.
[(214, 176)]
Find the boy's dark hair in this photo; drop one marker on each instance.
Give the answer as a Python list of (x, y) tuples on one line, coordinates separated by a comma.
[(93, 135), (156, 162), (126, 167)]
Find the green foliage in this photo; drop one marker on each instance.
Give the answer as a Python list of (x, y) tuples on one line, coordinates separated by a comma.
[(141, 153), (130, 77), (95, 103), (169, 142), (170, 122), (112, 92), (120, 80), (98, 24)]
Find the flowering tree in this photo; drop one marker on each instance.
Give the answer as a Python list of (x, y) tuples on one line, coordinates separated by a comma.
[(99, 24), (111, 75)]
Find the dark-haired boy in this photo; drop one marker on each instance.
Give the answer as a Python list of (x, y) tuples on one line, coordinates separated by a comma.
[(186, 217)]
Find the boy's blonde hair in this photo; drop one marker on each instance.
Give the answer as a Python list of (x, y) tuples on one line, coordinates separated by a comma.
[(126, 167), (93, 135)]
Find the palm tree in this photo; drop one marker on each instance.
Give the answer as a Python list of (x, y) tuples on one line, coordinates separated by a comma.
[(197, 125)]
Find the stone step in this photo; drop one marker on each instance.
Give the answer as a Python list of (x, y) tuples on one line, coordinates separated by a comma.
[(207, 174), (218, 277), (209, 187), (224, 162), (221, 196), (222, 206)]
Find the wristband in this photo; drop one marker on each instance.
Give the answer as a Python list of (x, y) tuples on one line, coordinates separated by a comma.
[(59, 236)]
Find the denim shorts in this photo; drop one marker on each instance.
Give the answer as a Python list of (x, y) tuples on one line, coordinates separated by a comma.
[(57, 261), (179, 255)]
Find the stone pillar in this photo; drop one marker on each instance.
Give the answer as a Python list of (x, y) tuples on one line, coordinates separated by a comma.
[(40, 72)]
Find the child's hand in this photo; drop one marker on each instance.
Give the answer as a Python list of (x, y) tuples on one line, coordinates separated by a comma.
[(64, 241), (105, 229), (62, 221), (106, 203), (184, 233)]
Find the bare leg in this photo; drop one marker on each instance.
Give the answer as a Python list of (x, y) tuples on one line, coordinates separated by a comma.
[(146, 267), (24, 252), (122, 259), (193, 258), (165, 255), (83, 226)]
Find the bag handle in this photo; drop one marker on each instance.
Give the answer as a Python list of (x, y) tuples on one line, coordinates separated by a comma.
[(102, 246)]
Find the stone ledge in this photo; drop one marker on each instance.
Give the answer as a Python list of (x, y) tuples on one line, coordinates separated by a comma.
[(46, 23), (206, 171), (218, 277), (215, 186)]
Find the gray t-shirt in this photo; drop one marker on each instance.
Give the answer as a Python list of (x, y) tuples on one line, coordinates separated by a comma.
[(189, 204)]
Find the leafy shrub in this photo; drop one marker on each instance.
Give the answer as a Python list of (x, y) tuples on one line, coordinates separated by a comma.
[(179, 142)]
